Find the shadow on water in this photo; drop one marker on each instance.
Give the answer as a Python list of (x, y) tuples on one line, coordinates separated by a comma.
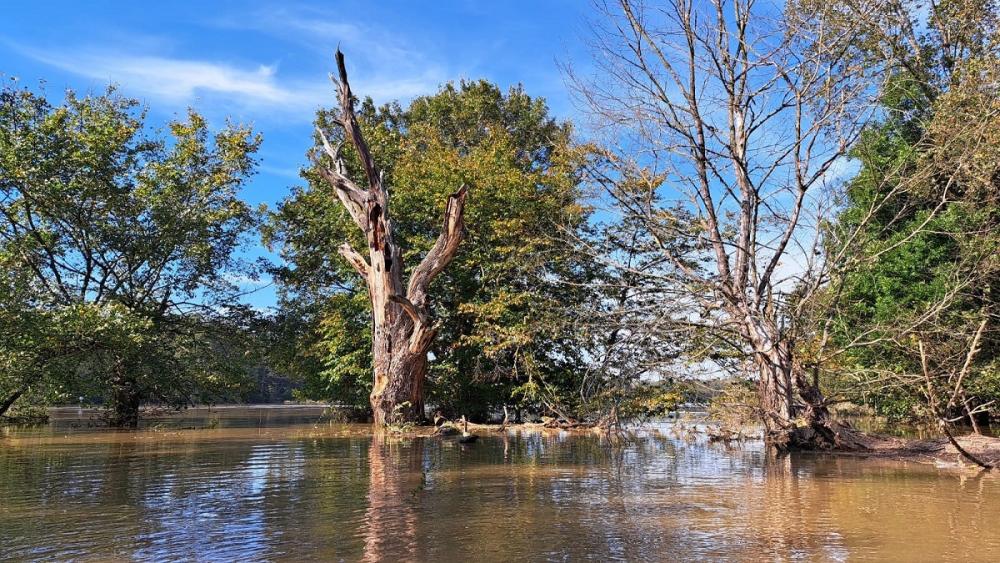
[(295, 488)]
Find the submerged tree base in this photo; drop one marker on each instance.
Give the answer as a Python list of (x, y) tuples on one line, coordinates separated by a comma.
[(830, 435)]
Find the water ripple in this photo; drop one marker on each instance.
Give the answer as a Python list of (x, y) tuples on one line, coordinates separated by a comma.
[(304, 491)]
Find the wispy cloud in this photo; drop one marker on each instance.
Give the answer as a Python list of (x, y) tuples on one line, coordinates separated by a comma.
[(386, 66), (381, 67), (323, 31), (186, 81), (282, 171)]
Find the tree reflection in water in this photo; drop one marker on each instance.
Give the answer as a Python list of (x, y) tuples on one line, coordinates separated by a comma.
[(395, 470), (327, 492)]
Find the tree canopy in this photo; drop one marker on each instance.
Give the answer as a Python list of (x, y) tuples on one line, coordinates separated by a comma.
[(506, 303), (926, 271), (123, 235)]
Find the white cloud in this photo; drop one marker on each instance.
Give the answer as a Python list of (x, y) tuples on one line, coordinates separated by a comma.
[(185, 81), (383, 65), (382, 69)]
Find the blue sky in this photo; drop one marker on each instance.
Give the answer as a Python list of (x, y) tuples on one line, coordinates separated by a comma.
[(266, 63)]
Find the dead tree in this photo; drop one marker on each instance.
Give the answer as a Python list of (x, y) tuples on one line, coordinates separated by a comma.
[(726, 129), (402, 330)]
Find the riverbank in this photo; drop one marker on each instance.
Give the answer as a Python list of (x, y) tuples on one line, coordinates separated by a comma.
[(939, 452), (936, 451)]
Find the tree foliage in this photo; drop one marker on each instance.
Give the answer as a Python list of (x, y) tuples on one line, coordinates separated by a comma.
[(926, 272), (506, 303), (117, 247)]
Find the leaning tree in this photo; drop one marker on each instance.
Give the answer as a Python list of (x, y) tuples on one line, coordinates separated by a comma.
[(402, 330)]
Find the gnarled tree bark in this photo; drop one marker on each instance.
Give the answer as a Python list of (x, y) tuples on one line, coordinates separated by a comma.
[(402, 329)]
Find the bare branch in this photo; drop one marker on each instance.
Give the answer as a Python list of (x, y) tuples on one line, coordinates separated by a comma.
[(443, 251), (353, 199), (356, 260), (417, 315), (969, 357), (351, 128)]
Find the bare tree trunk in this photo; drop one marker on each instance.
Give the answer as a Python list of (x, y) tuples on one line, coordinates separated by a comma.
[(402, 330), (398, 394), (774, 391), (124, 406), (795, 412), (794, 409), (776, 384), (9, 401)]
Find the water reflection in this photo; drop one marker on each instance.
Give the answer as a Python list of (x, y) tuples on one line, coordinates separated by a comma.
[(395, 480), (301, 490)]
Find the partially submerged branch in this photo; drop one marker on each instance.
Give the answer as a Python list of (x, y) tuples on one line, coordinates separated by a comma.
[(942, 422)]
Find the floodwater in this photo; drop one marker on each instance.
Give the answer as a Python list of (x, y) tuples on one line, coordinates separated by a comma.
[(283, 484)]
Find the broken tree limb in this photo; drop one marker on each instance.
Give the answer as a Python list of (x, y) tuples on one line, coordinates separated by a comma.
[(444, 249), (355, 259), (402, 331)]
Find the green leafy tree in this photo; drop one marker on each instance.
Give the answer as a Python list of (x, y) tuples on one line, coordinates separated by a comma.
[(129, 232), (506, 304), (924, 213)]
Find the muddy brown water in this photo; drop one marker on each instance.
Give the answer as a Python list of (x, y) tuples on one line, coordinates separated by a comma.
[(284, 484)]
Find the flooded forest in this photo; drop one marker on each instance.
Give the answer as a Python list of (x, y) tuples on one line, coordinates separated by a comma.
[(718, 287)]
